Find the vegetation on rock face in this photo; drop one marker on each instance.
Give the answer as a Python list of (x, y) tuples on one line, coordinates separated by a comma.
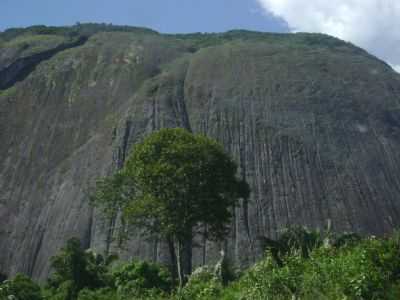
[(86, 29), (185, 185)]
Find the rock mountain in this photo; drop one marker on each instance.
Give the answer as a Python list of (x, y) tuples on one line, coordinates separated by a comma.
[(313, 123)]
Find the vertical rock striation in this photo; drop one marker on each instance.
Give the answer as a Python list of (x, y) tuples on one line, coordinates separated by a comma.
[(312, 122)]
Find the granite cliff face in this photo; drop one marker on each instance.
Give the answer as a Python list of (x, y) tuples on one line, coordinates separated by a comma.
[(313, 123)]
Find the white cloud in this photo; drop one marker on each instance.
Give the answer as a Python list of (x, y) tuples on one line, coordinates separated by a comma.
[(371, 24)]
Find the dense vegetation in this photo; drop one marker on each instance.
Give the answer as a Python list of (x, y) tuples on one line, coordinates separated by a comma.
[(86, 29), (301, 264), (194, 41)]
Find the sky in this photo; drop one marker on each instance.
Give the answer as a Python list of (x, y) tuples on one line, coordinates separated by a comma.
[(168, 16), (371, 24)]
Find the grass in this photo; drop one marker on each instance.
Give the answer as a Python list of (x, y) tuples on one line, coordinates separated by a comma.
[(8, 92), (32, 44)]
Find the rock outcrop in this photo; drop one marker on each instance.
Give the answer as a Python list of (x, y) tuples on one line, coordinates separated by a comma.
[(313, 123)]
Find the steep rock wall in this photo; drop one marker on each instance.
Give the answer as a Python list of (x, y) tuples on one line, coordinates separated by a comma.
[(314, 129)]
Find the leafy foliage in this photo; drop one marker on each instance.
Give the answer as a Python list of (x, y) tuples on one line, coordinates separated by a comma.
[(202, 284), (184, 181), (362, 269), (138, 278), (302, 241), (357, 269), (84, 275), (98, 294), (75, 269), (175, 184), (20, 288), (366, 268), (113, 193)]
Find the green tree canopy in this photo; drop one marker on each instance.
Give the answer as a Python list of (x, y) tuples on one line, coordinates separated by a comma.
[(184, 183)]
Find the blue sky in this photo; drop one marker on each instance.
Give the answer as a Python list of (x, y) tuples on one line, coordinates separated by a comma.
[(163, 15)]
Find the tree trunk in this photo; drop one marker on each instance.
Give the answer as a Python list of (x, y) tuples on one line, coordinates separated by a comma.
[(179, 263), (187, 257), (172, 253), (184, 259)]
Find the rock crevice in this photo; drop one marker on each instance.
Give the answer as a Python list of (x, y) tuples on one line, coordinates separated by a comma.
[(22, 67)]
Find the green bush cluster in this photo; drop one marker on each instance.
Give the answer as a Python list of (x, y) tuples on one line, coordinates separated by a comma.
[(141, 278), (193, 41), (360, 269), (301, 264), (20, 288), (196, 41), (75, 270), (202, 284), (85, 275)]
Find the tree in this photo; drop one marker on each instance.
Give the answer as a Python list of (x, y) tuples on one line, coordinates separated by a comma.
[(184, 184), (76, 269), (2, 277)]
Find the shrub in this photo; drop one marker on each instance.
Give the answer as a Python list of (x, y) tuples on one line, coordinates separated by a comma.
[(140, 278), (20, 288), (202, 284), (363, 269), (99, 294), (76, 269)]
